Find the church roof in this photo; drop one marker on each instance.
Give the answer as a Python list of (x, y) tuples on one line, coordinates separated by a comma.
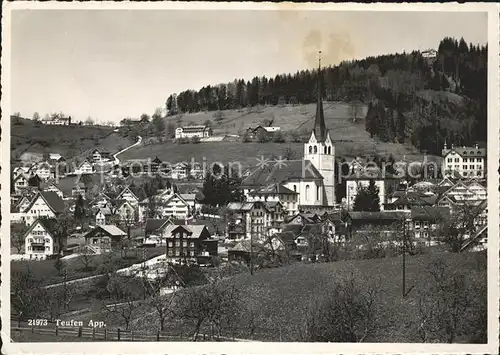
[(278, 173), (320, 131)]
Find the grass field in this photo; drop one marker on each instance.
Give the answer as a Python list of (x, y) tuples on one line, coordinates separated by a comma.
[(351, 139), (69, 141), (276, 298), (44, 270)]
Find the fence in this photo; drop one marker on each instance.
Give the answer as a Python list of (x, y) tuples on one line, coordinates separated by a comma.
[(103, 334)]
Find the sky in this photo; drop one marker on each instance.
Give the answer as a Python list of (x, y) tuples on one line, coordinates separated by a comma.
[(111, 64)]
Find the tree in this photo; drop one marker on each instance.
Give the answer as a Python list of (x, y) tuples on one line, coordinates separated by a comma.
[(86, 258), (17, 232), (355, 109), (159, 126), (27, 294), (367, 198), (350, 313), (89, 121), (214, 304), (145, 118), (124, 294), (278, 137), (452, 304), (36, 117), (170, 129), (80, 212), (460, 228)]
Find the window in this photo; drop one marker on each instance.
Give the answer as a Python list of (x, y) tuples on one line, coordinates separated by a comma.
[(191, 253), (307, 192), (326, 150), (184, 243), (177, 243), (294, 188), (170, 244), (315, 149), (310, 150), (450, 160), (329, 150), (191, 244), (177, 253), (456, 160), (465, 160), (471, 167), (317, 193)]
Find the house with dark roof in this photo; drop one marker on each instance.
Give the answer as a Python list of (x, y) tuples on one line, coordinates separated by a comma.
[(104, 238), (45, 204), (189, 242), (427, 222)]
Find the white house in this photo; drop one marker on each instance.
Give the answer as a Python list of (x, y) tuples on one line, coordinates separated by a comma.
[(20, 183), (274, 193), (41, 169), (193, 131), (39, 241), (128, 195), (20, 170), (180, 171), (469, 162), (85, 168), (44, 204), (102, 215), (56, 120)]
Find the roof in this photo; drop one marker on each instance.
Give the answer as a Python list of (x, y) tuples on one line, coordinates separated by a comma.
[(272, 129), (194, 128), (279, 173), (187, 197), (195, 230), (273, 189), (152, 225), (429, 213), (240, 206), (52, 199), (466, 152), (320, 131), (112, 230), (45, 223), (378, 215)]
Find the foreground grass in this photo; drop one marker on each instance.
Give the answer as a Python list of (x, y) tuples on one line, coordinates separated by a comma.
[(275, 300), (45, 270)]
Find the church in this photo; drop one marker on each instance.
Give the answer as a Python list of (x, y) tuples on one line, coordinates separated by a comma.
[(312, 178)]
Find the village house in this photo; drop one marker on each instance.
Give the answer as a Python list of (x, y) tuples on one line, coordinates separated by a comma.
[(427, 222), (258, 218), (155, 232), (20, 170), (51, 186), (125, 211), (57, 119), (39, 240), (274, 193), (104, 238), (469, 162), (102, 216), (44, 204), (193, 131), (128, 195), (99, 157), (20, 183), (42, 169), (84, 168), (189, 242)]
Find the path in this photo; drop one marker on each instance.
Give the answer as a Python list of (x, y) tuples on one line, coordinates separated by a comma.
[(117, 161)]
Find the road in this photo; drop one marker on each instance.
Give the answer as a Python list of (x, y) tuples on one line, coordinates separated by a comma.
[(115, 156)]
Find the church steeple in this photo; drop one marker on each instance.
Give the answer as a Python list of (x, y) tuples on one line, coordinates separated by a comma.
[(319, 121)]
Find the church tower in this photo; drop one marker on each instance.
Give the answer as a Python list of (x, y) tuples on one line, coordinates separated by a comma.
[(319, 150)]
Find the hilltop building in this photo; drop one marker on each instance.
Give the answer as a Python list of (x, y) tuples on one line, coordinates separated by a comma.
[(193, 131)]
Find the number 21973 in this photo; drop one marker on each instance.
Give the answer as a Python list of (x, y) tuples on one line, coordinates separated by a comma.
[(37, 322)]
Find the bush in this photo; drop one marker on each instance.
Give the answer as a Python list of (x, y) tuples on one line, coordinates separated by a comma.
[(278, 137), (195, 140), (182, 140)]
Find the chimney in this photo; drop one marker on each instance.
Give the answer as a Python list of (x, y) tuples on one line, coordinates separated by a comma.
[(476, 146)]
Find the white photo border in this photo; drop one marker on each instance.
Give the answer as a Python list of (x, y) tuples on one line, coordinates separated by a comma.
[(493, 148)]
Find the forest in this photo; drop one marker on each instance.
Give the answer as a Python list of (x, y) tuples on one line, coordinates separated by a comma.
[(411, 98)]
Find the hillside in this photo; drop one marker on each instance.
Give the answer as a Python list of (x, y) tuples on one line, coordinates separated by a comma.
[(351, 139), (69, 141), (276, 299)]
